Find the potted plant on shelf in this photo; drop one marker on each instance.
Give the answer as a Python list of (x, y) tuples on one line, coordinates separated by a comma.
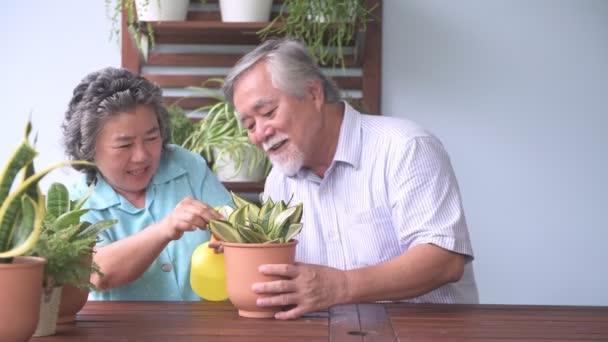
[(141, 13), (224, 143), (21, 215), (66, 243), (326, 26), (254, 235)]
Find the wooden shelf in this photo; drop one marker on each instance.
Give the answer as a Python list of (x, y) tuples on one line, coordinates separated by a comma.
[(247, 187), (203, 27)]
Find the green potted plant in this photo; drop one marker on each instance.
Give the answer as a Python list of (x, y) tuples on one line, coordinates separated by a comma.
[(66, 243), (21, 214), (140, 15), (253, 235), (224, 143), (181, 125), (326, 26)]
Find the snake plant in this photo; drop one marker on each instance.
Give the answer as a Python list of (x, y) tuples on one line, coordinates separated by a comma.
[(220, 133), (272, 222), (22, 206), (65, 240)]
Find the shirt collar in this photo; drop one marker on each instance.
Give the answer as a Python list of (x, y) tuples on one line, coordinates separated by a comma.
[(104, 195), (348, 149), (349, 141)]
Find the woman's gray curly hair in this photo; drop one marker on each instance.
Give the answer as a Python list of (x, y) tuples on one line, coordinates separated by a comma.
[(99, 96)]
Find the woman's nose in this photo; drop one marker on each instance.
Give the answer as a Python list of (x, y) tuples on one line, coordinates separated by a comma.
[(140, 153)]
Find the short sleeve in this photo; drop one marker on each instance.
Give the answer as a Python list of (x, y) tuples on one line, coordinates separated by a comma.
[(425, 199)]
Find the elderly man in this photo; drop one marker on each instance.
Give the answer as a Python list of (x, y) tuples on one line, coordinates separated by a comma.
[(383, 218)]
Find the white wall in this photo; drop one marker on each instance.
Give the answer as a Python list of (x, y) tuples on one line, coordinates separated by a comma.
[(516, 90), (47, 48), (518, 93)]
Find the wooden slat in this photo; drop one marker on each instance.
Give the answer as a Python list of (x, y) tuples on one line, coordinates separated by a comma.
[(375, 323), (193, 59), (344, 324), (169, 81), (247, 187), (206, 32), (372, 60), (188, 102), (213, 16), (435, 322), (209, 59)]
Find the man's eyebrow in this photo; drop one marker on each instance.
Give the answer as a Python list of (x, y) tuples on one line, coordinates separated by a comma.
[(261, 103)]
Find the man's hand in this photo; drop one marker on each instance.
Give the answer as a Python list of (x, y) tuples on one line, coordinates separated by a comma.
[(307, 288)]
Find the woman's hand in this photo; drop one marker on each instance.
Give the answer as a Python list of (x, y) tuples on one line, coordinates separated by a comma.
[(188, 215)]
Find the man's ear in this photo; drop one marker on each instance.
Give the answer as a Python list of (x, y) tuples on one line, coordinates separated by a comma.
[(315, 90)]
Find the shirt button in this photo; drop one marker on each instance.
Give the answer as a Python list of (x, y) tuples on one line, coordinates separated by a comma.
[(166, 267)]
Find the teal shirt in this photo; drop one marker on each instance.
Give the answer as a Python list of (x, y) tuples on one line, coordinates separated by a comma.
[(181, 173)]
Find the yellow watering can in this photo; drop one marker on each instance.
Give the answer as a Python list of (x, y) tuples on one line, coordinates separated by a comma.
[(207, 273)]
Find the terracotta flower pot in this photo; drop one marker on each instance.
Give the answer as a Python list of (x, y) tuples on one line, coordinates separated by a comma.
[(73, 300), (242, 262), (21, 284)]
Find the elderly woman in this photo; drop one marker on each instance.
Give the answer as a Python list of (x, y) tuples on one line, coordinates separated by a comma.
[(160, 193)]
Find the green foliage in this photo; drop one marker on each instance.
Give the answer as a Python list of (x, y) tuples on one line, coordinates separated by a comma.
[(326, 26), (221, 133), (181, 126), (272, 222), (22, 206), (114, 10), (66, 242)]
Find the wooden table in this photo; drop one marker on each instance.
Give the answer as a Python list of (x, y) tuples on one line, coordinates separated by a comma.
[(206, 321)]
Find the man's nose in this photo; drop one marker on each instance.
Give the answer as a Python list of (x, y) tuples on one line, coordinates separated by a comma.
[(260, 135)]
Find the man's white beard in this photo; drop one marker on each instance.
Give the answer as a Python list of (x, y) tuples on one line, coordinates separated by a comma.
[(290, 160)]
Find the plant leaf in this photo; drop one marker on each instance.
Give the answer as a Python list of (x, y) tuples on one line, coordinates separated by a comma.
[(225, 231)]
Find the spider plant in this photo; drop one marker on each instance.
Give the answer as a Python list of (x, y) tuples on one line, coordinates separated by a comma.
[(220, 134)]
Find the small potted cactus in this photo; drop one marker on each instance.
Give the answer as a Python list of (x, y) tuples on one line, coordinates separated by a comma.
[(254, 235)]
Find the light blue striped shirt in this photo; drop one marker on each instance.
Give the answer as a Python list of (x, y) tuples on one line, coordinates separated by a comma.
[(389, 188)]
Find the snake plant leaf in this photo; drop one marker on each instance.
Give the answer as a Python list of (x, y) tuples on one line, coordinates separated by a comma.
[(250, 235), (239, 215), (294, 229), (29, 243), (22, 156), (224, 231), (297, 215), (276, 210), (57, 200), (92, 230), (252, 213), (9, 209), (70, 218), (265, 210), (239, 201), (281, 220), (273, 222), (24, 221)]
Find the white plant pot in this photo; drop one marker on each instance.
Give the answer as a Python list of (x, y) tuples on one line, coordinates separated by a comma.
[(245, 10), (49, 309), (162, 10), (225, 169)]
